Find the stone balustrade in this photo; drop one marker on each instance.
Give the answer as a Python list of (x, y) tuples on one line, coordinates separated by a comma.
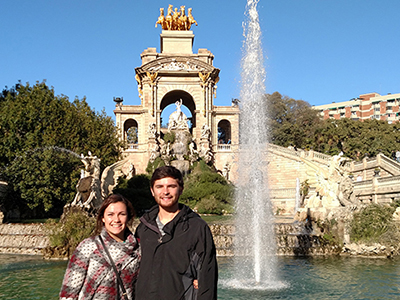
[(224, 147), (378, 189)]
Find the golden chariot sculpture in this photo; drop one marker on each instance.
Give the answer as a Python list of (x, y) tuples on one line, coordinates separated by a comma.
[(176, 20)]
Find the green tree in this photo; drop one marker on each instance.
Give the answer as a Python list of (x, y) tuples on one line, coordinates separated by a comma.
[(374, 224), (41, 136), (290, 121), (207, 191), (132, 135), (356, 139), (137, 190)]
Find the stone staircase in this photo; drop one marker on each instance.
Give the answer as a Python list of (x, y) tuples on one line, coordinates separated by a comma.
[(23, 238)]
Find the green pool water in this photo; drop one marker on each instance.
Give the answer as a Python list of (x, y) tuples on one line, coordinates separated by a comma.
[(30, 277)]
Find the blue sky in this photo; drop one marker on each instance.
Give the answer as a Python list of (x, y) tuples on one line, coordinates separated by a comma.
[(319, 51)]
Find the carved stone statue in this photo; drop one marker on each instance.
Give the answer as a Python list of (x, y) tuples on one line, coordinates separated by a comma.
[(193, 153), (131, 172), (332, 185), (88, 188), (192, 149), (346, 195), (178, 120), (225, 170), (152, 130), (235, 102), (111, 174), (206, 153), (155, 152), (205, 132), (165, 153), (92, 165), (91, 189)]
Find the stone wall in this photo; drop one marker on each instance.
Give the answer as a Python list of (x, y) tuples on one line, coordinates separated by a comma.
[(291, 240), (32, 239), (23, 238)]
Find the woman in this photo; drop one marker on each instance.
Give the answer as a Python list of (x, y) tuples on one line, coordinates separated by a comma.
[(90, 274)]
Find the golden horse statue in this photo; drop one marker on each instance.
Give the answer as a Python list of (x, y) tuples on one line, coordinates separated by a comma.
[(161, 19), (168, 18), (175, 20), (191, 20), (183, 19)]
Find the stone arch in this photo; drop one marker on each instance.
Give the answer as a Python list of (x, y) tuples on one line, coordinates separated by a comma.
[(187, 100), (131, 131), (224, 132)]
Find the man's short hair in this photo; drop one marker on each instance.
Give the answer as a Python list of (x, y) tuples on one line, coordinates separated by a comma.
[(167, 171)]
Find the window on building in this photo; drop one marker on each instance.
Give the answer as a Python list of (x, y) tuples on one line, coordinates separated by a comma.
[(131, 131), (224, 132)]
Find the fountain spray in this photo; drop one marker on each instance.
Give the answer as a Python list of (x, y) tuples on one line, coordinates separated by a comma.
[(255, 249)]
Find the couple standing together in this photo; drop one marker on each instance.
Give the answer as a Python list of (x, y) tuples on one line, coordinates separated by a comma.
[(171, 256)]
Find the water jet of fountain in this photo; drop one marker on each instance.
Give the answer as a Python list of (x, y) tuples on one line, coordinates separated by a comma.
[(255, 260)]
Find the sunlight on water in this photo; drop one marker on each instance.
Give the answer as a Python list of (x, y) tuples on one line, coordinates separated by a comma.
[(321, 278), (29, 277), (252, 285)]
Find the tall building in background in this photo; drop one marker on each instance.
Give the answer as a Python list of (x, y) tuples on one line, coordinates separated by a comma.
[(365, 107)]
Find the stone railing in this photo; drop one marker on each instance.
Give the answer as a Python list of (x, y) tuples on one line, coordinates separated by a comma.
[(289, 151), (378, 189), (311, 155), (389, 164), (319, 157), (367, 165), (224, 147), (133, 147), (371, 163)]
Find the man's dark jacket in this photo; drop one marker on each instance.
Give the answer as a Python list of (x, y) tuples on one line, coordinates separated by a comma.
[(171, 262)]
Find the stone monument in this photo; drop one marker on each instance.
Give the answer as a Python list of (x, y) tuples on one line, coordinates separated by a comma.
[(177, 75)]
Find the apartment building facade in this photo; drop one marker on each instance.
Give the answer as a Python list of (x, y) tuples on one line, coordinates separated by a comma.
[(365, 107)]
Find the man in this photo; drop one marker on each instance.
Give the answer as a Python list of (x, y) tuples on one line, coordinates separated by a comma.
[(178, 251)]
